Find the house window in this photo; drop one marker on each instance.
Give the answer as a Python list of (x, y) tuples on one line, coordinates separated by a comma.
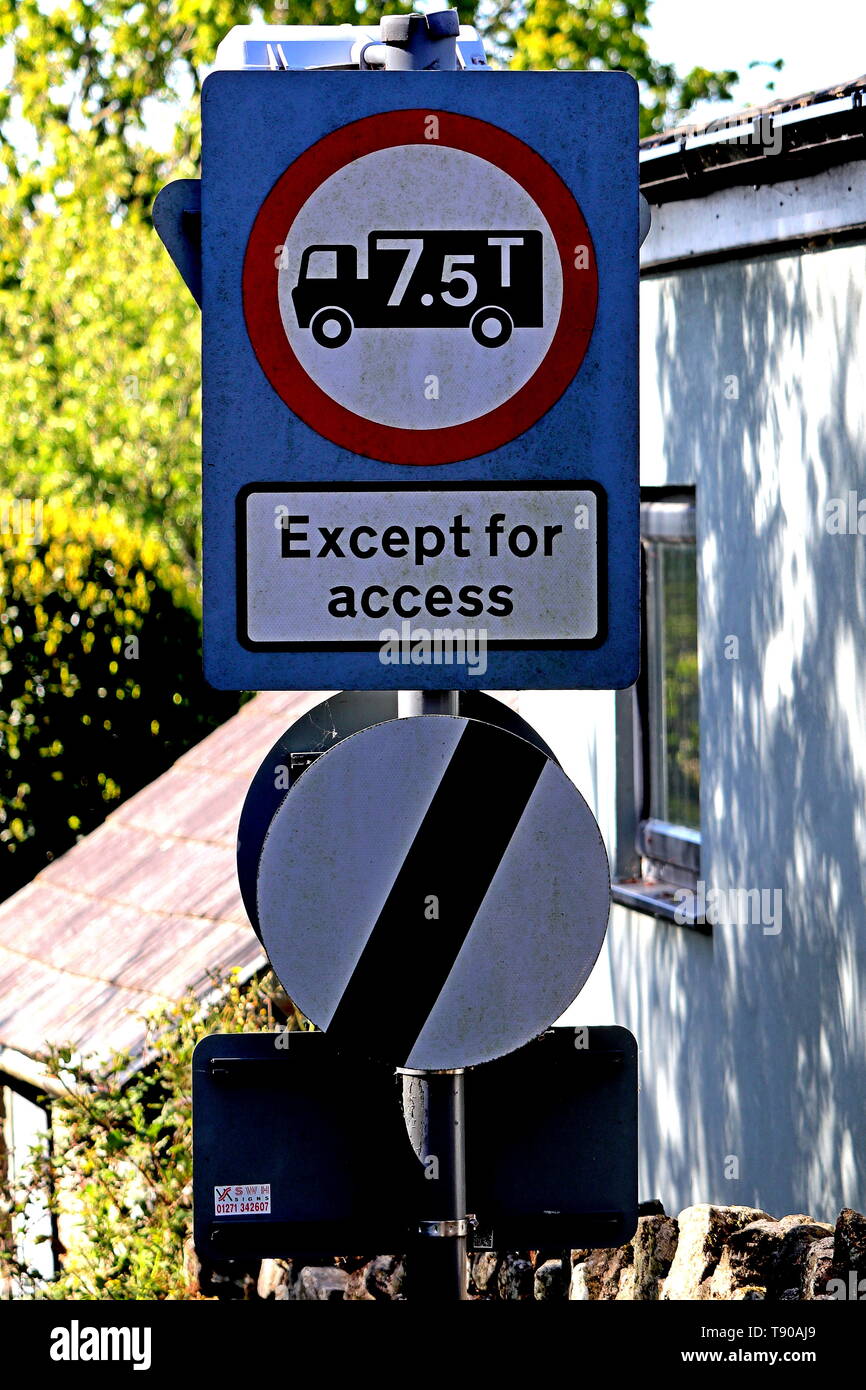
[(665, 819)]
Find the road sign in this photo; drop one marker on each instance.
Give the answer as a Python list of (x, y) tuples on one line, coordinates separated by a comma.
[(421, 577), (297, 1147), (419, 369), (440, 878)]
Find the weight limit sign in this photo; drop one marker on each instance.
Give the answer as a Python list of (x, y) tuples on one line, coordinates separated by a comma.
[(420, 287), (433, 892)]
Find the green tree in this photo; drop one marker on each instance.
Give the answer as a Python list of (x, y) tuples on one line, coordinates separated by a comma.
[(96, 67), (100, 679), (607, 34), (99, 357)]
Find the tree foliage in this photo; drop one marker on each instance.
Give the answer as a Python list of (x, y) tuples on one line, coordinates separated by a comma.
[(100, 678), (99, 359), (117, 1175), (98, 67), (613, 35)]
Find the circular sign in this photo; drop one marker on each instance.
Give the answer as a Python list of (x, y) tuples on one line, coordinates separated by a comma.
[(434, 892), (420, 287)]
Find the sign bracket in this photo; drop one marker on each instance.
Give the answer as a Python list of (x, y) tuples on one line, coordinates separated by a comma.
[(176, 217)]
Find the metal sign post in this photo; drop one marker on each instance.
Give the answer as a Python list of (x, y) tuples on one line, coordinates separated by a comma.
[(434, 1108), (434, 1101)]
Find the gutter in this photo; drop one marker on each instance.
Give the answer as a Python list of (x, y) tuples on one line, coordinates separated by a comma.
[(762, 146)]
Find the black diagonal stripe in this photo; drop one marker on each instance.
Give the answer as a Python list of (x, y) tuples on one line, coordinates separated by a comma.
[(457, 850)]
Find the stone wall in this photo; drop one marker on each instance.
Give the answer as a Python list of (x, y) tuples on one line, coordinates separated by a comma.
[(707, 1252), (711, 1252)]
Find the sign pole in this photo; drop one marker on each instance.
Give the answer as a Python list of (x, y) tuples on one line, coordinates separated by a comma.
[(433, 1108), (433, 1101)]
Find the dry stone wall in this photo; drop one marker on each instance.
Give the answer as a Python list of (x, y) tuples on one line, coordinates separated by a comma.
[(707, 1252)]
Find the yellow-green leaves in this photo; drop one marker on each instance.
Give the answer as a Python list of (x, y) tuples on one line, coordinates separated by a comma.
[(100, 674)]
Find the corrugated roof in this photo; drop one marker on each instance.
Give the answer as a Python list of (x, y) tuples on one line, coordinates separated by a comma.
[(144, 907)]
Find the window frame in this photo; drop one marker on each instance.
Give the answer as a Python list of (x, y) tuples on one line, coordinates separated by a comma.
[(657, 856)]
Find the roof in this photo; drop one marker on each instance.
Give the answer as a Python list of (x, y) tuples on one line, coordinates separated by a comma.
[(143, 908), (786, 138)]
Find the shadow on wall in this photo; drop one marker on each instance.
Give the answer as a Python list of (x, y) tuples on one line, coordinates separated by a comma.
[(754, 1043)]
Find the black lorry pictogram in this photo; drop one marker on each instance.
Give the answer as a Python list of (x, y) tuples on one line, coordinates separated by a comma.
[(489, 282)]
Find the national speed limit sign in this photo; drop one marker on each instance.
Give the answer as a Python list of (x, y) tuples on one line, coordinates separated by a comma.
[(420, 286), (447, 922)]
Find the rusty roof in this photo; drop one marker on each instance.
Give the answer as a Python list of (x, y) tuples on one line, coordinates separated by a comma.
[(143, 908)]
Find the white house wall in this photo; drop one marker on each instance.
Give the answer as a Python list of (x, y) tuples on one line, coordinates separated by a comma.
[(753, 1042)]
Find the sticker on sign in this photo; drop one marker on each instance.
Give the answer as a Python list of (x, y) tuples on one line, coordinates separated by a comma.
[(243, 1199), (325, 568)]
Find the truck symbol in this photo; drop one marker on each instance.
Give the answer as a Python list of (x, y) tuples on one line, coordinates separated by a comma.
[(489, 282)]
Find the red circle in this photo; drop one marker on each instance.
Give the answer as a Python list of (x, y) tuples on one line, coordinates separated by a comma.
[(389, 443)]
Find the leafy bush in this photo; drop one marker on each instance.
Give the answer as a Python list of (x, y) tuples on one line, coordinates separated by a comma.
[(118, 1172), (100, 678), (99, 357)]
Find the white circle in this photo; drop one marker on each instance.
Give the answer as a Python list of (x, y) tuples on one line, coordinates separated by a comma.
[(331, 328), (385, 374)]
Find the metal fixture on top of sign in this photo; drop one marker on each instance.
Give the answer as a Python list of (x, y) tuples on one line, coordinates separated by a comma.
[(419, 374)]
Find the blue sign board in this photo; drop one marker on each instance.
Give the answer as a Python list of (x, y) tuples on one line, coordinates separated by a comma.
[(419, 299)]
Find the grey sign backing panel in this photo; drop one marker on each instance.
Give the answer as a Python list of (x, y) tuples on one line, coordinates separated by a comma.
[(324, 1133), (374, 878), (551, 1146), (552, 1142)]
